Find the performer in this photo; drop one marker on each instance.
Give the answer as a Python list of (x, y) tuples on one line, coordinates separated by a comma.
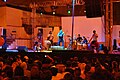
[(94, 36), (49, 40), (50, 37), (79, 44), (37, 47), (39, 36), (94, 44), (60, 36), (85, 41), (79, 39)]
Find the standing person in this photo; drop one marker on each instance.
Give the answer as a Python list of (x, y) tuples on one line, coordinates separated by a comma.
[(39, 36), (94, 36), (49, 41), (60, 37), (50, 37), (94, 44)]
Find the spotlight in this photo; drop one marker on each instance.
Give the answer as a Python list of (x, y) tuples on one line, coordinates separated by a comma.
[(41, 13), (41, 9), (4, 0), (53, 12), (53, 8), (69, 11)]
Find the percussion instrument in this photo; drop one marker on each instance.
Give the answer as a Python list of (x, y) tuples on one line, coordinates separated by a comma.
[(79, 46), (47, 44), (85, 46)]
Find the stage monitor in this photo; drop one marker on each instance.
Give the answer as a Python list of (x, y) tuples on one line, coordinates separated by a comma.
[(22, 49)]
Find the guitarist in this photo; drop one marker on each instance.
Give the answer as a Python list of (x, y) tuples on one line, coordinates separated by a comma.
[(93, 41)]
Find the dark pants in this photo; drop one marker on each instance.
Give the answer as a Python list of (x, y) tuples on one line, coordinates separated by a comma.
[(61, 40)]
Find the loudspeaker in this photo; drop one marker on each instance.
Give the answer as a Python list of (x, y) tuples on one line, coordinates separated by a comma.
[(22, 49), (114, 44), (116, 13), (93, 8)]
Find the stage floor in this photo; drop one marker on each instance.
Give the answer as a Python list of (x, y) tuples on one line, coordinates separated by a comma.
[(50, 51)]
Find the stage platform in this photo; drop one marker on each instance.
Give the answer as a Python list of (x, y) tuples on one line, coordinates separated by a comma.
[(62, 54)]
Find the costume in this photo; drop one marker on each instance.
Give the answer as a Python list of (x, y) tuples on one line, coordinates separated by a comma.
[(60, 36)]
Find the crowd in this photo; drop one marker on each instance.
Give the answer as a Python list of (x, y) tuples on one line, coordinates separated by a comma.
[(46, 67)]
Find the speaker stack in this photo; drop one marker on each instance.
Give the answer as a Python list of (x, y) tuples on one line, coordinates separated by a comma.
[(93, 8)]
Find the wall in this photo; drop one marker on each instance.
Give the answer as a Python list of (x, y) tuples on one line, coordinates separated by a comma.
[(2, 16), (84, 26), (116, 34), (13, 16)]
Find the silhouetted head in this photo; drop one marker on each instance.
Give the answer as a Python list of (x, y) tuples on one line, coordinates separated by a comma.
[(94, 31)]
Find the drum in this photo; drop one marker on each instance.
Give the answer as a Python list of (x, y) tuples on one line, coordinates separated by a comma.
[(79, 46), (47, 44), (1, 41), (74, 46), (85, 46)]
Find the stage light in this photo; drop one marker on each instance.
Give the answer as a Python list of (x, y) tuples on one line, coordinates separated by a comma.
[(41, 13), (4, 0), (53, 12), (53, 8), (69, 11), (41, 9)]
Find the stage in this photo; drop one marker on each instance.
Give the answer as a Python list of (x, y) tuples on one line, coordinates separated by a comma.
[(62, 54)]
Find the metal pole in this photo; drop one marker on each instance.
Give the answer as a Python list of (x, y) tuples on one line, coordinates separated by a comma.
[(73, 3), (34, 7)]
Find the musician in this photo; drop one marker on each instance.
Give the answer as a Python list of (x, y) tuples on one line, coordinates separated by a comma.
[(39, 36), (94, 36), (84, 41), (50, 37), (37, 47), (94, 44), (60, 37), (79, 39), (69, 47)]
